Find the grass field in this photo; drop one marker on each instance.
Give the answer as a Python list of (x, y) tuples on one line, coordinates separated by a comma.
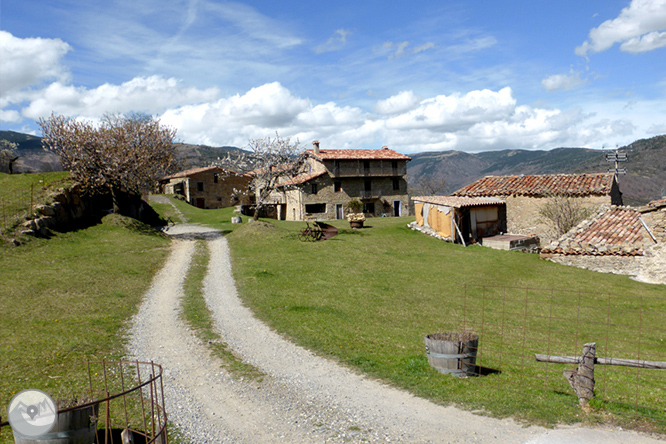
[(19, 191), (367, 297), (67, 300)]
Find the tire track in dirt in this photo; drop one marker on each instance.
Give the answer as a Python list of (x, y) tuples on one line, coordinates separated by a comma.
[(304, 398)]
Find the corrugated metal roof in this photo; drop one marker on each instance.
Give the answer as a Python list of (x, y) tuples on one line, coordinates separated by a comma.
[(358, 154), (540, 185), (458, 201)]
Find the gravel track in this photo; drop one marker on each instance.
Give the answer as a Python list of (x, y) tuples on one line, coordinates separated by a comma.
[(304, 398)]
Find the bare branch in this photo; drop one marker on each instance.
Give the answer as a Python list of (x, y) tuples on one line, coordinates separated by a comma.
[(270, 161), (563, 213)]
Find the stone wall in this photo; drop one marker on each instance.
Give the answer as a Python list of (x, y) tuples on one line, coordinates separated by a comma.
[(656, 221), (382, 195), (522, 214), (212, 189), (68, 209), (627, 265)]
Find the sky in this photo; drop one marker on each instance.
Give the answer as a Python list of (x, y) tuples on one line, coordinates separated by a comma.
[(415, 76)]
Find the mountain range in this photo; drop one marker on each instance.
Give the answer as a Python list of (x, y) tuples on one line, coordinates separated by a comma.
[(645, 179)]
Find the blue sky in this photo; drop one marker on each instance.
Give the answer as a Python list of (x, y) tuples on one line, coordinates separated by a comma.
[(416, 76)]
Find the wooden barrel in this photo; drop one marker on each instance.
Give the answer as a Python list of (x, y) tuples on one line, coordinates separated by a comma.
[(73, 427), (452, 353)]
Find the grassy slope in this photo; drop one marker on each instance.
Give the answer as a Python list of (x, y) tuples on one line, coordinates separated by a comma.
[(368, 297), (67, 300), (17, 191)]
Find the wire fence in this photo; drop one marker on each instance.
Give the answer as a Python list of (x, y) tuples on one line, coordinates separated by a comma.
[(515, 324), (18, 202)]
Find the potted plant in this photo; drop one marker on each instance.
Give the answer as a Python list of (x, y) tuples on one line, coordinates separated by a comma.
[(355, 214)]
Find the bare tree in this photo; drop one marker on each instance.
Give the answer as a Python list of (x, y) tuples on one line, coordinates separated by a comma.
[(563, 213), (427, 185), (122, 155), (271, 161), (8, 155)]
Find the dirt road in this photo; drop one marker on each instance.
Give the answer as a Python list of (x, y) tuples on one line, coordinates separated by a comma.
[(304, 398)]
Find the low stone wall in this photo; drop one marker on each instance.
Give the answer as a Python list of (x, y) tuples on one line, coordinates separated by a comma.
[(627, 265), (69, 207)]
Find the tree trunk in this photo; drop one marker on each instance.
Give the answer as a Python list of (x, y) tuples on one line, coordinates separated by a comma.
[(115, 198), (11, 164)]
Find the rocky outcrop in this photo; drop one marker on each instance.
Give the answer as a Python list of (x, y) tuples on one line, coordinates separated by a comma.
[(68, 208)]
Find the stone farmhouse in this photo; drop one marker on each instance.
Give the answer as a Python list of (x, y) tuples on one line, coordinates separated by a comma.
[(209, 187), (332, 178), (525, 195)]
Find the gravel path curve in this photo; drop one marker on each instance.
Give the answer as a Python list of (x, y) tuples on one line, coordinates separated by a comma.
[(304, 398)]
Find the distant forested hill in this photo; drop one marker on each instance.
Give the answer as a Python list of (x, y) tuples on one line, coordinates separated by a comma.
[(34, 159), (645, 179)]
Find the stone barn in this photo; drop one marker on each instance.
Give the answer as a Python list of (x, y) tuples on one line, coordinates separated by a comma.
[(525, 195), (209, 187)]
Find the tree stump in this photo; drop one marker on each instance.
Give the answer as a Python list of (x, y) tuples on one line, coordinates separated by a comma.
[(582, 379)]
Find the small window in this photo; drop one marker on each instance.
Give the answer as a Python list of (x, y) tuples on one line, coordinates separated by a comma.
[(396, 184), (337, 186), (200, 186), (315, 208), (216, 178), (394, 164), (368, 185), (314, 188)]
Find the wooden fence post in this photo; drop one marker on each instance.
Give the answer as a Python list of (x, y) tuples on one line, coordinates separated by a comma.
[(582, 379)]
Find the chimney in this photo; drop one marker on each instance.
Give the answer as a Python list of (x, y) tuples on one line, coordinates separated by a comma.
[(385, 148), (315, 145)]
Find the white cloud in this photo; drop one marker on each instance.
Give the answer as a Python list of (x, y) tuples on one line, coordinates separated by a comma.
[(563, 82), (473, 45), (336, 42), (396, 50), (424, 47), (644, 43), (10, 116), (657, 129), (400, 49), (143, 94), (636, 29), (456, 112), (401, 102), (258, 113), (28, 62)]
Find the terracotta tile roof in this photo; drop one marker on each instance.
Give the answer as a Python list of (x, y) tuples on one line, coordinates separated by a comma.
[(192, 171), (540, 185), (302, 178), (618, 231), (358, 154), (657, 203), (458, 202)]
